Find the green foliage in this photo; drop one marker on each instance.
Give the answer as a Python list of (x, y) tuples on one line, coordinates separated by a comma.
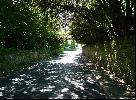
[(88, 33), (26, 26), (13, 60), (94, 20), (26, 35), (55, 41), (117, 56), (73, 44)]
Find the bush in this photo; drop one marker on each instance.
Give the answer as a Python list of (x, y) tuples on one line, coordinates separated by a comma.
[(117, 56)]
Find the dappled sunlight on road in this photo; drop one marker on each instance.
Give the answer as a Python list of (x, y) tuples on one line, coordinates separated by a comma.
[(69, 76), (67, 57)]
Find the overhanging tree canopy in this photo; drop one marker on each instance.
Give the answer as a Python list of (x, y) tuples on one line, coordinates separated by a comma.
[(113, 16), (24, 25)]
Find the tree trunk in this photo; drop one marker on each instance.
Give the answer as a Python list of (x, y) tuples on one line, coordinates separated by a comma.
[(117, 17), (134, 16), (128, 16)]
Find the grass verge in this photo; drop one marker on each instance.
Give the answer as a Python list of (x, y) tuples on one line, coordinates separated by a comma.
[(13, 60)]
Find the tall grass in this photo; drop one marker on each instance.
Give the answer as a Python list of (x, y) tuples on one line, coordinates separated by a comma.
[(12, 60), (116, 56)]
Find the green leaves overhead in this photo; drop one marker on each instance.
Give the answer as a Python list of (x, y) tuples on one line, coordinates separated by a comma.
[(88, 33), (24, 25), (27, 24)]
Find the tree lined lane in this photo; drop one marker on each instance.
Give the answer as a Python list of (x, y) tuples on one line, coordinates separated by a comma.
[(68, 76)]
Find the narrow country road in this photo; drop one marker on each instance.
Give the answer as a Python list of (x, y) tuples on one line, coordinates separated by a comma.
[(69, 76)]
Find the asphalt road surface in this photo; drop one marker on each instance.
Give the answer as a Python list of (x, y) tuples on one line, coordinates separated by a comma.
[(69, 76)]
